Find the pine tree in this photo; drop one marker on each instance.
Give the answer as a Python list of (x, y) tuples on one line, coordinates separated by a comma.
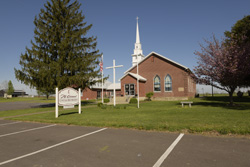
[(61, 54), (10, 90)]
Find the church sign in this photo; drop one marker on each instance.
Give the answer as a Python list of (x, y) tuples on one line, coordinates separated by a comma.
[(68, 98)]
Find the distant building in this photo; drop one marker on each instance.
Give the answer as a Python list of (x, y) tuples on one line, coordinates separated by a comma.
[(16, 93)]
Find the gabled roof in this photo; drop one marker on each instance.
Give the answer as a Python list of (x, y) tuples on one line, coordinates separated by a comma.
[(135, 76), (111, 86), (106, 85), (186, 68)]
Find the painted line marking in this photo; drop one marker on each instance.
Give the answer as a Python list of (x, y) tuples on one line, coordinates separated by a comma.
[(50, 147), (10, 123), (27, 130), (168, 151)]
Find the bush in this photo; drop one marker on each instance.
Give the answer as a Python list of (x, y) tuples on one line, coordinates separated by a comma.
[(99, 104), (248, 93), (132, 101), (239, 94), (104, 106), (149, 95), (106, 100)]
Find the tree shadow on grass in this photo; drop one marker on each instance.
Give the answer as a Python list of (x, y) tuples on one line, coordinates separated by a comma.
[(84, 103), (226, 99), (242, 103), (44, 105), (69, 113)]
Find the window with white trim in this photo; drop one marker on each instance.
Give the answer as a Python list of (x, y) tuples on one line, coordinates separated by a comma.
[(168, 83), (157, 84)]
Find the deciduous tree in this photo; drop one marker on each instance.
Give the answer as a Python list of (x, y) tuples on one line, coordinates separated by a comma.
[(222, 65)]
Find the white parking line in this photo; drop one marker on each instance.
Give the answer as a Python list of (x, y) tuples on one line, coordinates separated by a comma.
[(27, 130), (10, 123), (168, 151), (47, 148)]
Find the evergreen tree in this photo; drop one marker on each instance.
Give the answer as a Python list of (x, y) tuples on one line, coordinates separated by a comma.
[(10, 90), (61, 54)]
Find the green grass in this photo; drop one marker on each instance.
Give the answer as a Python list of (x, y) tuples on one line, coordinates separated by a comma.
[(11, 113), (211, 114), (29, 99)]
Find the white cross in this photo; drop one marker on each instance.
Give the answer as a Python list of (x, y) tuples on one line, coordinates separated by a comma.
[(114, 75)]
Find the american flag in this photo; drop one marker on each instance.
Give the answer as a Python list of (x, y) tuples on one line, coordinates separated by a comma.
[(101, 64)]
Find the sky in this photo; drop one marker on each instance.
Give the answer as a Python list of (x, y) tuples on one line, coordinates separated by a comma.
[(173, 29)]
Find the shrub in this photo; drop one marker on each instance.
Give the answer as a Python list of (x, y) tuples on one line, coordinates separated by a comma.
[(106, 100), (104, 106), (99, 104), (149, 95), (132, 101), (239, 94)]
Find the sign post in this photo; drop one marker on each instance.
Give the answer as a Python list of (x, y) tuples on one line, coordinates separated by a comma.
[(56, 102), (79, 102), (68, 98)]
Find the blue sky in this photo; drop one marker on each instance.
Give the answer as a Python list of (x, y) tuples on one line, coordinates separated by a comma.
[(173, 29)]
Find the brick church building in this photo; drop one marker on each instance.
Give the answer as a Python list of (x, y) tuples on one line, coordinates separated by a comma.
[(160, 75), (167, 79)]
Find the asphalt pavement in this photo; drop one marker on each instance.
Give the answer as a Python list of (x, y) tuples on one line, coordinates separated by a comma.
[(40, 145)]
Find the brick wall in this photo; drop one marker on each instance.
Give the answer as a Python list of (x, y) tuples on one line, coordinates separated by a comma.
[(89, 94), (131, 80), (92, 93)]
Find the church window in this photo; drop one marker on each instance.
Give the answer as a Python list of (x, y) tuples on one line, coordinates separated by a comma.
[(168, 83), (157, 84)]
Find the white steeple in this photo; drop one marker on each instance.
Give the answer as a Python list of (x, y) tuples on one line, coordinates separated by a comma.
[(138, 55)]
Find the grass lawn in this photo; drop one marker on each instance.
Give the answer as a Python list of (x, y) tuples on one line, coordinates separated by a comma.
[(29, 99), (211, 114)]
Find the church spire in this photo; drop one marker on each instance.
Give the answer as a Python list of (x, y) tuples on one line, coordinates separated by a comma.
[(137, 32), (138, 55)]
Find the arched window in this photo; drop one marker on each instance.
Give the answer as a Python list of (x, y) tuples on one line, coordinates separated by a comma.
[(168, 83), (157, 83)]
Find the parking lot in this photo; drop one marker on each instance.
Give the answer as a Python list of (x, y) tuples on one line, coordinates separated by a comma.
[(40, 145)]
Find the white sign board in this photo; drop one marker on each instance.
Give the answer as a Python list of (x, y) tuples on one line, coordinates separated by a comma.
[(68, 97), (66, 107)]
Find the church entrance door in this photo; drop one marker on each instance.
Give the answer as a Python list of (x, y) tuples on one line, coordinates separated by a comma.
[(129, 89)]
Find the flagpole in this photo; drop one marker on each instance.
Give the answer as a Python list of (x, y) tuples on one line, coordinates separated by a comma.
[(138, 98), (102, 79)]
